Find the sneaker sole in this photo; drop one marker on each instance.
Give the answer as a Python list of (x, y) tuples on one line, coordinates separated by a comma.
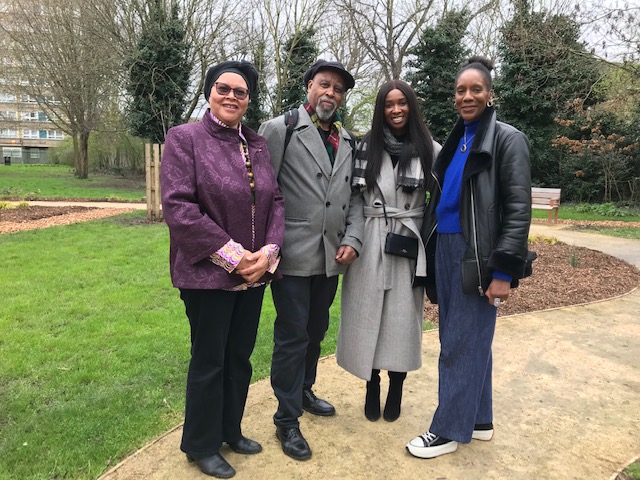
[(432, 452), (484, 435)]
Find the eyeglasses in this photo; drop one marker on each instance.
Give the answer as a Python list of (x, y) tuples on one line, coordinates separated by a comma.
[(224, 89)]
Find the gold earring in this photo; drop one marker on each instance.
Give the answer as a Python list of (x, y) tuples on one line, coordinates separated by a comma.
[(490, 103)]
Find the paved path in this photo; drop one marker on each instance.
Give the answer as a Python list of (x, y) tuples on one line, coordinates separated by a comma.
[(566, 400)]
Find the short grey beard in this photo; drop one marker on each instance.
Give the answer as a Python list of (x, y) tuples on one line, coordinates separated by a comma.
[(326, 115)]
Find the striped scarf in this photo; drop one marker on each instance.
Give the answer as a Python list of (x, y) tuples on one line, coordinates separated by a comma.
[(410, 180), (331, 144)]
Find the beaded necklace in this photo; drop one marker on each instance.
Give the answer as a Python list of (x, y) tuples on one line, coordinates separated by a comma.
[(244, 149)]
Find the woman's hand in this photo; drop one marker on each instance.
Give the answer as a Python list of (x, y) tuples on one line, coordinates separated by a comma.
[(252, 266), (498, 289)]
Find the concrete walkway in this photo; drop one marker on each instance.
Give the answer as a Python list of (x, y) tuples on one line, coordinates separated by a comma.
[(566, 404)]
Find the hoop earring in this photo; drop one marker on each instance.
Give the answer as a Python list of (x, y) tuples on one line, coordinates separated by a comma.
[(490, 103)]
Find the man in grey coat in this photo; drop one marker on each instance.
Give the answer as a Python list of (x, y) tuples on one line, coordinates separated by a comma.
[(323, 231)]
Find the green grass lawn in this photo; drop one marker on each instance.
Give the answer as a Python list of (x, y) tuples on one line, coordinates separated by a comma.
[(35, 182), (94, 344)]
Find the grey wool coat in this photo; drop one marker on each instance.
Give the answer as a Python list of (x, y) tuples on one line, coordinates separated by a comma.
[(381, 320), (319, 213)]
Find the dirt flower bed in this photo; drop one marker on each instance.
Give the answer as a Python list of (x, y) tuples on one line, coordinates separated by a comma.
[(33, 217), (562, 275)]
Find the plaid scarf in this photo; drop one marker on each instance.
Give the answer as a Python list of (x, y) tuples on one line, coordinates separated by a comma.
[(331, 143), (409, 180)]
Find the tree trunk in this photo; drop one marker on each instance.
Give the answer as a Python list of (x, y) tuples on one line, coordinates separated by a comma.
[(76, 154), (83, 167)]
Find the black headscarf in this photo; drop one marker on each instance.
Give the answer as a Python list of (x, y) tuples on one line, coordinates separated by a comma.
[(243, 68)]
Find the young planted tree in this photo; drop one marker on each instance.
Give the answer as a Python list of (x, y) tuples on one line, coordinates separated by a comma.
[(438, 55), (159, 72)]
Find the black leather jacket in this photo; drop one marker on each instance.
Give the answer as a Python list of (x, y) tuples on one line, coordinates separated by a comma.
[(495, 201)]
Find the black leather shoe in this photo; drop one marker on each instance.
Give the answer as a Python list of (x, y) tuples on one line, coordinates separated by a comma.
[(246, 446), (214, 466), (315, 405), (293, 443)]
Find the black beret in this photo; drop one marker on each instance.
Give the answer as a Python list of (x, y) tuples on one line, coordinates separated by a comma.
[(245, 69), (326, 65)]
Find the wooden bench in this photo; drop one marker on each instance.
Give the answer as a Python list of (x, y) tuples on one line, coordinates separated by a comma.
[(546, 199)]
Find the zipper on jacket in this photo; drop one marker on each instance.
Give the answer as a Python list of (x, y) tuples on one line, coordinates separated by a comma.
[(475, 237), (435, 225)]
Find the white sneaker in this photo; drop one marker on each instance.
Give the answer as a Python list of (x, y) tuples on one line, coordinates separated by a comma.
[(483, 431), (430, 445)]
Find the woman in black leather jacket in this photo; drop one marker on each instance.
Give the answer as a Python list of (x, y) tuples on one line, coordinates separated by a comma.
[(476, 228)]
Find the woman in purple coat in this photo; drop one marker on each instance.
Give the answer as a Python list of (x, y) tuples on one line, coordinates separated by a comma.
[(225, 215)]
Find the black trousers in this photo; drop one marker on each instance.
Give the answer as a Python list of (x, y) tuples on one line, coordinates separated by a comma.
[(224, 326), (302, 305)]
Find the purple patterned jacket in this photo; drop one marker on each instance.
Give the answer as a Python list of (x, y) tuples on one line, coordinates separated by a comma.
[(206, 200)]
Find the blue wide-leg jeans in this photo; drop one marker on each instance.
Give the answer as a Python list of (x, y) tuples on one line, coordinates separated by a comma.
[(467, 323)]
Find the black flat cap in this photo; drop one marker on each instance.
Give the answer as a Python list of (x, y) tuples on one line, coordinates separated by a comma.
[(326, 65), (243, 68)]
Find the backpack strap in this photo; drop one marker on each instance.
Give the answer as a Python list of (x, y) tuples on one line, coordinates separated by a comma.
[(290, 120)]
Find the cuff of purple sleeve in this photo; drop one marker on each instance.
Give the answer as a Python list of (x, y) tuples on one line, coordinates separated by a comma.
[(229, 256), (272, 252), (502, 276)]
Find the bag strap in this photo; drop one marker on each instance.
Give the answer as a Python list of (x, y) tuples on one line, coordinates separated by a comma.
[(290, 120)]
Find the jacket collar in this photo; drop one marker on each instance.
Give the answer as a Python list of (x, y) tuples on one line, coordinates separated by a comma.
[(482, 149), (227, 134)]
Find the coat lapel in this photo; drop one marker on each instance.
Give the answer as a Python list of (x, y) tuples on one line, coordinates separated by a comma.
[(312, 141)]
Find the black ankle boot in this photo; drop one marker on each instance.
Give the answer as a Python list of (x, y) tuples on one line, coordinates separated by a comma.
[(372, 400), (394, 397)]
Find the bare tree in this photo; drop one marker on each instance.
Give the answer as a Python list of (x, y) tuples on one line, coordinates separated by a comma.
[(66, 63), (387, 28), (268, 25)]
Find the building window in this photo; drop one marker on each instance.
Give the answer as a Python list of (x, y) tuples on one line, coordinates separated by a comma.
[(13, 152), (27, 99), (8, 133), (8, 115), (54, 135), (30, 116), (7, 97), (34, 154), (26, 133)]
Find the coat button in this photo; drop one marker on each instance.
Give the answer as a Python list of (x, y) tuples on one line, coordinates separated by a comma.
[(328, 204), (340, 234), (324, 233), (344, 207), (407, 206), (319, 175), (346, 179)]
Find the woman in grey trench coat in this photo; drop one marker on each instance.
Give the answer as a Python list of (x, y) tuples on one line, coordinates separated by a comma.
[(381, 325)]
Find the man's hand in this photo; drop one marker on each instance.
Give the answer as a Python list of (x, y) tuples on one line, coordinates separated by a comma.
[(346, 255)]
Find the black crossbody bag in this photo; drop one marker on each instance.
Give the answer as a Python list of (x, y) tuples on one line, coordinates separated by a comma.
[(396, 244)]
